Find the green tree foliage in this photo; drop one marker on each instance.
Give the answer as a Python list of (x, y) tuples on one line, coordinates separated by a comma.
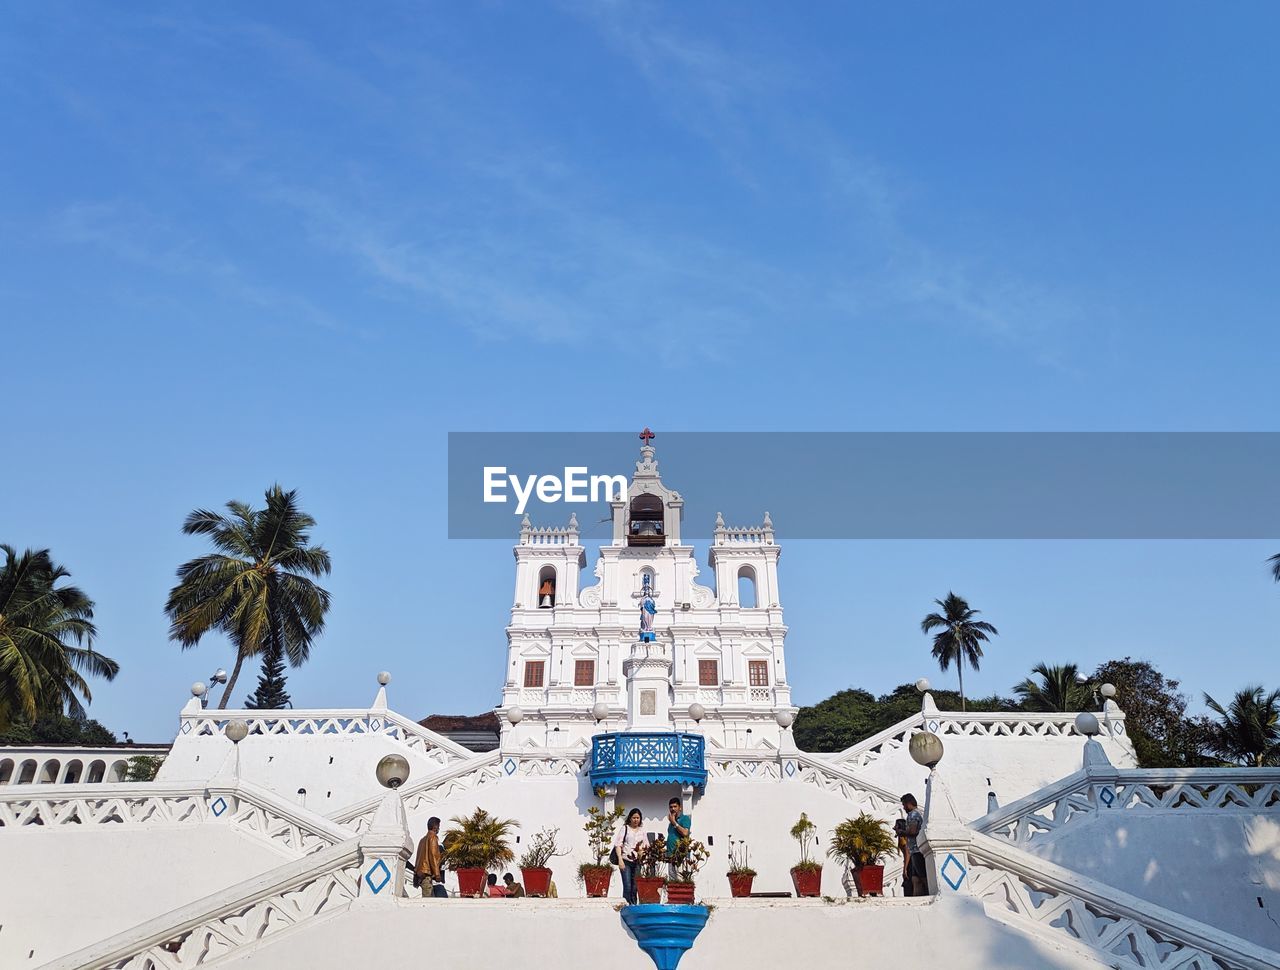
[(270, 694), (855, 714), (46, 640), (1056, 689), (1247, 731), (959, 638), (57, 728), (143, 767), (1156, 720), (255, 587)]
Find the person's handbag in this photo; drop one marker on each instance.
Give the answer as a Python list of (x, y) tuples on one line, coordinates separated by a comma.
[(613, 857)]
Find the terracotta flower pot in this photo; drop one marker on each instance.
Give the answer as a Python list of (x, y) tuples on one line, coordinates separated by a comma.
[(597, 879), (471, 882), (740, 883), (807, 882), (869, 880), (537, 882), (680, 893), (649, 889)]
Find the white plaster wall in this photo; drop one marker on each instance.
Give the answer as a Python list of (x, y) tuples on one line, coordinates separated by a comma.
[(1212, 866), (761, 813), (335, 770), (1012, 767), (743, 934), (67, 886)]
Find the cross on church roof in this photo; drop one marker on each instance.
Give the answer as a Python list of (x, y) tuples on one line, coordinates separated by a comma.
[(646, 436)]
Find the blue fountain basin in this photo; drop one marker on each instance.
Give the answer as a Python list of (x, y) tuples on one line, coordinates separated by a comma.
[(665, 932)]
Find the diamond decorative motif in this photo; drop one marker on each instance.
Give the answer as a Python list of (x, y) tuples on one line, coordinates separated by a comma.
[(1107, 795), (378, 876), (375, 724), (219, 806), (953, 871), (933, 727), (186, 727), (791, 768), (510, 766)]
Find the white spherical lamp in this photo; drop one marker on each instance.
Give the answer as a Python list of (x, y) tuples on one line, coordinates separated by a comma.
[(1108, 691), (1086, 724), (785, 719), (926, 749), (384, 678), (198, 689), (236, 731), (392, 771), (600, 710), (697, 712), (515, 715), (922, 684)]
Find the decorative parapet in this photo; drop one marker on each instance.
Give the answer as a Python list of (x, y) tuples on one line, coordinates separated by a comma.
[(1043, 899), (648, 757), (531, 535), (1042, 816), (328, 723), (479, 771), (247, 807), (71, 764), (838, 780), (242, 915), (751, 535), (982, 725)]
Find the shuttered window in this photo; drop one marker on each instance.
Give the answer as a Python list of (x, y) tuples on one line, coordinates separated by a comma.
[(533, 672), (709, 673), (584, 673)]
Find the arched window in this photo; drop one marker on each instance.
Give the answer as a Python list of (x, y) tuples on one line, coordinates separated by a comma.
[(6, 771), (118, 769), (747, 588), (49, 771), (27, 773), (74, 770), (97, 771), (546, 587), (647, 526)]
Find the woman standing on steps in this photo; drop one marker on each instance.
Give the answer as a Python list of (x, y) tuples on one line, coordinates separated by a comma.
[(628, 847)]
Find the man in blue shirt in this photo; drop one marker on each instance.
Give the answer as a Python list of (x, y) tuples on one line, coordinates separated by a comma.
[(678, 827)]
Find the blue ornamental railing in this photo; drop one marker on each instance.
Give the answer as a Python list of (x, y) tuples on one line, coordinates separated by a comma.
[(648, 757)]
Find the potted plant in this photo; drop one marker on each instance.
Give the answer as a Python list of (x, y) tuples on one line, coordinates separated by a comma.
[(862, 842), (687, 858), (806, 875), (740, 873), (649, 882), (599, 828), (478, 843), (533, 864)]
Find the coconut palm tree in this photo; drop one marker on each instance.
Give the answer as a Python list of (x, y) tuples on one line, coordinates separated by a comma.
[(1056, 691), (1248, 730), (959, 637), (46, 640), (255, 587), (1275, 566)]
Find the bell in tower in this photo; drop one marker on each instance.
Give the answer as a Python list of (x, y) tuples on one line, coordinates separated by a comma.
[(647, 527)]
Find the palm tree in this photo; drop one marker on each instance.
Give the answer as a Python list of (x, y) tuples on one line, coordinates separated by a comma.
[(959, 637), (42, 627), (1249, 730), (1275, 566), (1056, 691), (254, 588)]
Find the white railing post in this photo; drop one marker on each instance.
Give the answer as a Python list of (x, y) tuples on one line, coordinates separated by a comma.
[(384, 850)]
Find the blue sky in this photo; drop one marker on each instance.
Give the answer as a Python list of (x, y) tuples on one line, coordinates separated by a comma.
[(302, 242)]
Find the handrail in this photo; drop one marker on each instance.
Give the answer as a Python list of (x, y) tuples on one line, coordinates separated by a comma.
[(881, 799), (1059, 724), (236, 916), (280, 822), (1085, 792), (1026, 890), (336, 721)]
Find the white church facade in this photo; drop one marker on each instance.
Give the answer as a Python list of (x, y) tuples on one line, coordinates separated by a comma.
[(269, 842)]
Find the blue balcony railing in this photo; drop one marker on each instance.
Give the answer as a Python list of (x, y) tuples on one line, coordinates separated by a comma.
[(648, 757)]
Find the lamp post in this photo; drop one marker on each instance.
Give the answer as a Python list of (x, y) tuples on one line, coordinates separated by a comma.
[(926, 750), (236, 731), (392, 771)]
